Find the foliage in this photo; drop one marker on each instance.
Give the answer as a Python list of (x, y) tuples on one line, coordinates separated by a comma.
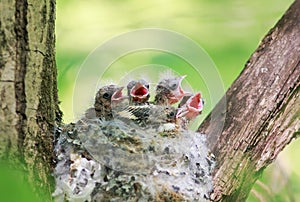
[(14, 186)]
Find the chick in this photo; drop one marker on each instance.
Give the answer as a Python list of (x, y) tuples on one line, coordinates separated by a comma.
[(138, 92), (190, 109), (149, 116), (106, 98), (169, 91)]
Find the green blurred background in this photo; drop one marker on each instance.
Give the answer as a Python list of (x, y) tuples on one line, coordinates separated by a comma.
[(228, 30)]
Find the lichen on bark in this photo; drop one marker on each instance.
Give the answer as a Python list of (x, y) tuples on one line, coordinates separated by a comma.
[(29, 102), (262, 114)]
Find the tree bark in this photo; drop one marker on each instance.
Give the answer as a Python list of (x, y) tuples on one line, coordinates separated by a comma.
[(262, 114), (28, 89)]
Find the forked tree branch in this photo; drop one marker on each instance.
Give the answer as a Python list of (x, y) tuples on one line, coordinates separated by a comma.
[(262, 111)]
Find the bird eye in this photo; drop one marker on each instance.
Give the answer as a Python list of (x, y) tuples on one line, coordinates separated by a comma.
[(105, 95), (172, 114), (173, 86), (147, 86)]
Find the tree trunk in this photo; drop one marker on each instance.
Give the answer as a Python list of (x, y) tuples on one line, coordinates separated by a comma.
[(262, 114), (28, 89)]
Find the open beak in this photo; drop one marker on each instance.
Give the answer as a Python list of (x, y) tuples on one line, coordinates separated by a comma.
[(118, 95), (139, 91), (179, 92), (192, 108), (195, 103)]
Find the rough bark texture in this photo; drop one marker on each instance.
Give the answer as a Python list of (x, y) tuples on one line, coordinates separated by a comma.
[(263, 111), (28, 89)]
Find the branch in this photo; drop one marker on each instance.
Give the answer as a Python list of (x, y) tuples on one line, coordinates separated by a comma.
[(262, 113)]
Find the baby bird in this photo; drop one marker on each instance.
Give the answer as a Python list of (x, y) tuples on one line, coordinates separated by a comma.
[(191, 109), (106, 98), (148, 115), (169, 91), (138, 92)]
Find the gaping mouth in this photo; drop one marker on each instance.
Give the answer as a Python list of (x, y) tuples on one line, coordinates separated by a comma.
[(195, 102), (192, 108), (117, 95), (139, 91), (179, 86), (179, 92)]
